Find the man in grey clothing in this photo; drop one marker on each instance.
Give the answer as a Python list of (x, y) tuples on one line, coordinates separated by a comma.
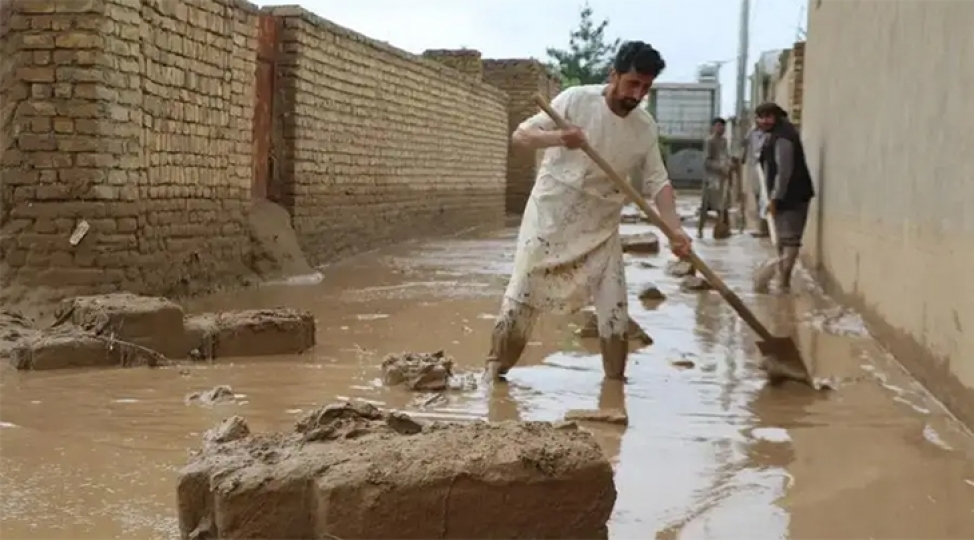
[(751, 151), (717, 164), (789, 184)]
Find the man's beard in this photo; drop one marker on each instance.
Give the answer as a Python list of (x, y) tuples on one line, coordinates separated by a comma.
[(628, 104)]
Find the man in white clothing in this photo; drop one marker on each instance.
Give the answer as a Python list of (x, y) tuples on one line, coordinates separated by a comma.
[(569, 251)]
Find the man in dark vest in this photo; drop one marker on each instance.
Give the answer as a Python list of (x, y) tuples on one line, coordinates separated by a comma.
[(788, 181)]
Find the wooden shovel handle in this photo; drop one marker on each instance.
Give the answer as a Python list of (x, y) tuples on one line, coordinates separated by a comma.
[(769, 220), (624, 186)]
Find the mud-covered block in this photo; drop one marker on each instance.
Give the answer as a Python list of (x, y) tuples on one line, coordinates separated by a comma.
[(65, 350), (150, 321), (641, 244), (252, 332), (471, 480)]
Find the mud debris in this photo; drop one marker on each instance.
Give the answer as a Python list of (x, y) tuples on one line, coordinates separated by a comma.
[(615, 417), (229, 430), (274, 245), (695, 284), (641, 244), (422, 372), (217, 394), (683, 363), (650, 293), (680, 268), (421, 480)]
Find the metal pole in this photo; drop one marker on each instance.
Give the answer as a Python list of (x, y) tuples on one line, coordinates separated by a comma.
[(742, 72)]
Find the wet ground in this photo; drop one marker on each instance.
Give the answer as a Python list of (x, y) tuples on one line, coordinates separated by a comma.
[(710, 451)]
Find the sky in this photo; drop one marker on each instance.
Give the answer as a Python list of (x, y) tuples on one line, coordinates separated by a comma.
[(686, 32)]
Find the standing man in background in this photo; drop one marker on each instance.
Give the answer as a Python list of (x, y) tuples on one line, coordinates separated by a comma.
[(751, 150), (569, 251), (789, 184), (717, 166)]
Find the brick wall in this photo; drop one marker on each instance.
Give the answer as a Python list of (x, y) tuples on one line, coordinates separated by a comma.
[(798, 68), (133, 116), (136, 117), (466, 61), (521, 79), (382, 145)]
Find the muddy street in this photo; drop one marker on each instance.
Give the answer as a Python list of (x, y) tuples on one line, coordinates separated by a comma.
[(709, 451)]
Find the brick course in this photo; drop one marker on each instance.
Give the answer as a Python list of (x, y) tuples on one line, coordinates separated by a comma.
[(137, 116), (380, 144), (521, 79)]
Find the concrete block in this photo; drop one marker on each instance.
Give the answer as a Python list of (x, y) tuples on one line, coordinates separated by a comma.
[(253, 332), (352, 471)]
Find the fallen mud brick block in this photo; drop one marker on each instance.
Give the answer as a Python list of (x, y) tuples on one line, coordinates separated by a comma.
[(590, 329), (680, 269), (14, 328), (254, 332), (418, 371), (641, 244), (75, 349), (695, 284), (603, 416), (352, 471), (152, 322)]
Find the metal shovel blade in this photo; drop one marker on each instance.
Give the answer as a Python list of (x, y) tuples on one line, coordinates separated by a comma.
[(782, 361)]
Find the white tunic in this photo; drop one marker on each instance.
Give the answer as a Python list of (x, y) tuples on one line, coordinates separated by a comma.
[(569, 250)]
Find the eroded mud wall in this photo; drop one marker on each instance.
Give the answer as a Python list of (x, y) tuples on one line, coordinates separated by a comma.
[(886, 101)]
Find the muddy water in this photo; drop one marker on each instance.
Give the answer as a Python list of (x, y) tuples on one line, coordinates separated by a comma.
[(710, 452)]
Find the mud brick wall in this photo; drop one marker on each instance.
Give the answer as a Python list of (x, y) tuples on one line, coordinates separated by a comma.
[(198, 106), (466, 61), (381, 145), (520, 79), (798, 65), (134, 116)]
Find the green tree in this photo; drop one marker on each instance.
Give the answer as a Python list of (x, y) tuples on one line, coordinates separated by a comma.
[(589, 56)]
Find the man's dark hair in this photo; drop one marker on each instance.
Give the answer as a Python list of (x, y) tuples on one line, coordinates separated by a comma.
[(640, 57), (717, 121), (771, 109)]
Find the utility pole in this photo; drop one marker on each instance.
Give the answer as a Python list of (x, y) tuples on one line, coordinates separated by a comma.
[(742, 74)]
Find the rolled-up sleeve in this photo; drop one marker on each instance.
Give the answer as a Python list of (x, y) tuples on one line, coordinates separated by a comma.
[(655, 175), (560, 104)]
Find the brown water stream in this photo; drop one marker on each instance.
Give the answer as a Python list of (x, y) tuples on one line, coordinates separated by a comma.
[(710, 452)]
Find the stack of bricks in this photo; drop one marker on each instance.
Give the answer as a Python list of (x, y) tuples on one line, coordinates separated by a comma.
[(798, 64), (521, 79), (381, 145), (466, 61)]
